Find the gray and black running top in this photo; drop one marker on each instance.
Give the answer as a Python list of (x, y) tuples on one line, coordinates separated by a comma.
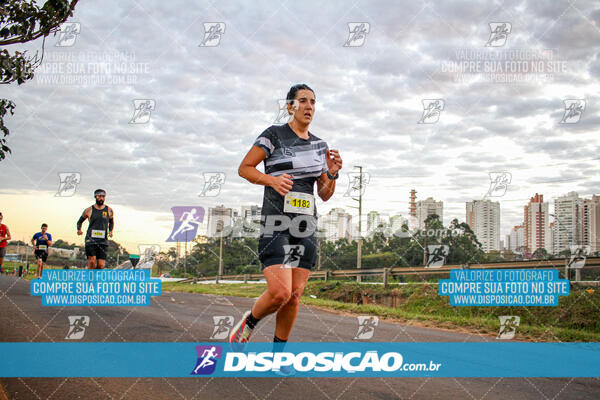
[(98, 222), (287, 153)]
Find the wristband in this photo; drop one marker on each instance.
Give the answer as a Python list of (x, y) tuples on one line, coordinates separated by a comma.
[(337, 175)]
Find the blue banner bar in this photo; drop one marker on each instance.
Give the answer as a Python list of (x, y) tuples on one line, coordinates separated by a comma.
[(106, 287), (330, 359), (501, 287)]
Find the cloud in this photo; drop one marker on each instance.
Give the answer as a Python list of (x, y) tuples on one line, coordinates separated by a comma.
[(212, 102)]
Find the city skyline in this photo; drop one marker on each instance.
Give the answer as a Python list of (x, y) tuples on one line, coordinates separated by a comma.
[(131, 217), (483, 216)]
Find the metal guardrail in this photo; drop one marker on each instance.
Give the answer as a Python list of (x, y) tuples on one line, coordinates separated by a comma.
[(387, 273)]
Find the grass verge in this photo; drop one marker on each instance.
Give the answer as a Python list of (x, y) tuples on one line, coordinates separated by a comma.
[(574, 319)]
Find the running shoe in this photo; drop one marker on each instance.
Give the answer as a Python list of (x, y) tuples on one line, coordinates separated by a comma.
[(240, 334)]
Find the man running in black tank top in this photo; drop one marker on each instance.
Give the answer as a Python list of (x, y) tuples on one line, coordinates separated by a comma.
[(100, 228), (294, 161)]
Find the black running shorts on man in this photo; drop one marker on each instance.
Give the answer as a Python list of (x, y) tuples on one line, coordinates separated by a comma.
[(41, 254), (96, 241), (305, 160)]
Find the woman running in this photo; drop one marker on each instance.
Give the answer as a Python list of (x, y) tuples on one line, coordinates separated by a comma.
[(294, 159)]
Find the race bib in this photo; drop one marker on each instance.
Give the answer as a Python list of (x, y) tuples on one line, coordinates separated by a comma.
[(98, 234), (299, 203), (42, 247)]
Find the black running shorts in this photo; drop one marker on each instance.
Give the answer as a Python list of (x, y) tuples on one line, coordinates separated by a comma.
[(96, 250), (41, 254), (282, 248)]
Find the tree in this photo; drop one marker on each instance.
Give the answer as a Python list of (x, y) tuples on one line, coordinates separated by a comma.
[(509, 255), (494, 256), (540, 254), (63, 244), (463, 244), (22, 21), (566, 253)]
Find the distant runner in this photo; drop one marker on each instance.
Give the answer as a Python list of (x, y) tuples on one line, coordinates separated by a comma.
[(4, 238), (41, 242), (99, 230)]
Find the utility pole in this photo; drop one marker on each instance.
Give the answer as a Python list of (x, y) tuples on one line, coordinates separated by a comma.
[(177, 251), (359, 248), (185, 255), (220, 274), (319, 259), (425, 246)]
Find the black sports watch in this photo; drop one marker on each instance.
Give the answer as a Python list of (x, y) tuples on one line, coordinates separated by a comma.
[(337, 175)]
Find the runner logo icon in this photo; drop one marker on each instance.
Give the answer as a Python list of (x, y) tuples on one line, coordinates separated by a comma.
[(77, 325), (223, 324), (499, 182), (292, 255), (508, 326), (213, 181), (574, 109), (68, 34), (578, 256), (68, 183), (357, 34), (499, 32), (357, 183), (436, 255), (207, 359), (366, 326), (142, 108), (432, 108), (185, 223), (212, 34)]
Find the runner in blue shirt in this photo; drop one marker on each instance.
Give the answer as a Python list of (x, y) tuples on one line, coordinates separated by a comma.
[(41, 241)]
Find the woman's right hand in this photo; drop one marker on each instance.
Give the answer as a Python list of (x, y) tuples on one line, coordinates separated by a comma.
[(282, 184)]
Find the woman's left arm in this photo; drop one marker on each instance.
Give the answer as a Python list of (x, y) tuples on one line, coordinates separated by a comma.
[(326, 186)]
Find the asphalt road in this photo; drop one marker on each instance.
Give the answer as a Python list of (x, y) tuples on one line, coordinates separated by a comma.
[(184, 317)]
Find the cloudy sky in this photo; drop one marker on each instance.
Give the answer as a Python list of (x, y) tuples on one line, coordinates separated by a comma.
[(502, 95)]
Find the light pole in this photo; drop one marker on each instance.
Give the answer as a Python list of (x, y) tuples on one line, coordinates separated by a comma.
[(425, 245), (319, 259), (255, 254), (119, 250), (359, 247), (221, 224), (185, 255)]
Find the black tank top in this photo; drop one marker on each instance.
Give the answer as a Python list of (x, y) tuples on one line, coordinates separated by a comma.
[(97, 231)]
